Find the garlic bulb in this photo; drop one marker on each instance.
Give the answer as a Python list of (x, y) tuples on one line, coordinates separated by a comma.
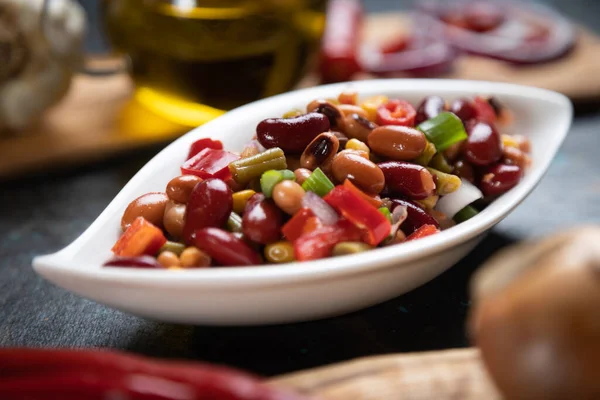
[(37, 59)]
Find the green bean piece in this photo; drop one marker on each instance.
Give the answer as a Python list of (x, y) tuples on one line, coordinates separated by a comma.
[(440, 163), (425, 158), (445, 183), (173, 247), (245, 169), (234, 222), (346, 248), (466, 213)]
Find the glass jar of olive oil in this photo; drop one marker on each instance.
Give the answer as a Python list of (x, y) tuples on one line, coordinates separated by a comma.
[(192, 59)]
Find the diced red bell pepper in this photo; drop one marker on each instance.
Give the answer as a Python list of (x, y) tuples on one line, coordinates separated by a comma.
[(374, 201), (423, 231), (210, 163), (202, 144), (396, 112), (483, 110), (140, 238), (312, 224), (294, 228), (375, 225), (319, 243)]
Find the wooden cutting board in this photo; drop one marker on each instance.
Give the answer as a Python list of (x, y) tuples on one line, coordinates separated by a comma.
[(99, 118), (440, 375)]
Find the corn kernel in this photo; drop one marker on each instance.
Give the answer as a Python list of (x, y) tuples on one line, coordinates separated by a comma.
[(430, 202), (240, 199), (355, 144), (371, 104), (509, 141)]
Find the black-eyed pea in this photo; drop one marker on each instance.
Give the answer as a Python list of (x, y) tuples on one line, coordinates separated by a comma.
[(320, 151), (193, 257), (168, 259), (288, 195), (357, 127), (348, 164), (330, 110)]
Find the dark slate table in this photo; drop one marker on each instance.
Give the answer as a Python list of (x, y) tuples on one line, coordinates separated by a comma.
[(41, 214)]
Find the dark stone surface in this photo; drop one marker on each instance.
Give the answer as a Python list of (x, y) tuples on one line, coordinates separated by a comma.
[(41, 214)]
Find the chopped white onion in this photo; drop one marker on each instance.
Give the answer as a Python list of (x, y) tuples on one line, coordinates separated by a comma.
[(452, 203), (399, 215), (320, 208)]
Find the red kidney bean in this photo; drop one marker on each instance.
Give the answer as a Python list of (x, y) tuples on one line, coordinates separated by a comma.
[(292, 135), (464, 170), (499, 179), (463, 108), (134, 262), (209, 205), (484, 144), (429, 108), (407, 179), (416, 216), (225, 248), (262, 220)]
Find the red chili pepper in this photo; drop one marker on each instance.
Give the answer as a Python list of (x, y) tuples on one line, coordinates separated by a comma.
[(423, 231), (375, 225), (140, 238), (319, 243), (210, 163), (202, 144), (396, 112), (339, 49), (294, 228), (483, 110), (374, 201), (95, 375)]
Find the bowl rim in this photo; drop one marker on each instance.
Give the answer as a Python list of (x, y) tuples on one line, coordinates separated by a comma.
[(61, 262)]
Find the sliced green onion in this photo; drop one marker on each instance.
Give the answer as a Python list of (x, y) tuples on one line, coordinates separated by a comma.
[(466, 213), (173, 247), (234, 223), (318, 183), (443, 130), (386, 211), (270, 178)]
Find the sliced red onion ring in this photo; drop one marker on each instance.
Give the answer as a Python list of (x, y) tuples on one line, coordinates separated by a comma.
[(529, 33), (320, 208), (452, 203), (424, 56)]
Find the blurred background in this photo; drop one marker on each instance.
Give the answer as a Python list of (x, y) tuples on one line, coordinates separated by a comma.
[(83, 137)]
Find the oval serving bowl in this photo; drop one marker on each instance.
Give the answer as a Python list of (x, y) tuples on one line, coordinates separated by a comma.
[(298, 291)]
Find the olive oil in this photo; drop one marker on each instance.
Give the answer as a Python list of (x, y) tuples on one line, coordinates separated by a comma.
[(191, 59)]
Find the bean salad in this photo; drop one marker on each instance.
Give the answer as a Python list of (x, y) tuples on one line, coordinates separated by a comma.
[(343, 176)]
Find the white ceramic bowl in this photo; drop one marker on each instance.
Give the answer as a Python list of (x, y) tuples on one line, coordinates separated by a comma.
[(299, 291)]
